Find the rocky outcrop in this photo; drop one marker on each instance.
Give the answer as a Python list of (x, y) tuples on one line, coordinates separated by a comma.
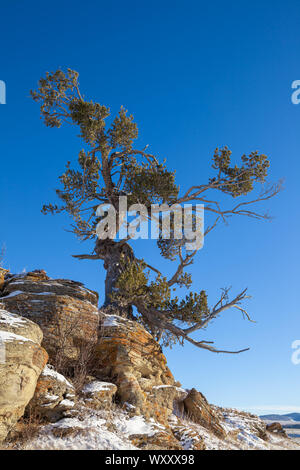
[(127, 365), (124, 353), (65, 310), (197, 409), (276, 428), (99, 395), (54, 396), (188, 437), (160, 440), (21, 361), (127, 355), (18, 325)]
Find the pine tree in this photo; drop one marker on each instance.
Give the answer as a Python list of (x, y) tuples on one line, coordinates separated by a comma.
[(109, 166)]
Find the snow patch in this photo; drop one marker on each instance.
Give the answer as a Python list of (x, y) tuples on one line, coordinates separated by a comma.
[(96, 386), (11, 319), (111, 320), (13, 294), (49, 371), (6, 337)]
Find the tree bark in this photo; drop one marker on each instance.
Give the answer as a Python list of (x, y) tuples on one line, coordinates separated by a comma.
[(115, 256)]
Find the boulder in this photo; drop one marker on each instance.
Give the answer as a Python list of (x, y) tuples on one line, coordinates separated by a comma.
[(162, 400), (65, 310), (54, 396), (21, 361), (162, 440), (99, 395), (197, 409), (276, 428)]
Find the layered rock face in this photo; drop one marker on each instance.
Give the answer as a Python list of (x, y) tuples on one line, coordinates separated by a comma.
[(120, 362), (198, 410), (21, 361), (276, 428), (129, 356), (54, 396), (66, 311)]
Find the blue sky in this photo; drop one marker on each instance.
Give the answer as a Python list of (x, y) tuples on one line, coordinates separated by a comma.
[(196, 75)]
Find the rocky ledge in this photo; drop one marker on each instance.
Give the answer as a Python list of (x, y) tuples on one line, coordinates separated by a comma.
[(106, 377)]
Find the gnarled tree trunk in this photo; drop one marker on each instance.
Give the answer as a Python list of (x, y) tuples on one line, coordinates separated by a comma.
[(115, 256)]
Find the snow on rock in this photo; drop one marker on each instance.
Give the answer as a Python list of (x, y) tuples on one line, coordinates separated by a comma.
[(51, 372), (135, 425), (117, 430), (88, 433), (12, 294), (111, 320), (60, 307), (67, 403), (10, 318), (99, 394), (6, 336), (96, 386), (54, 396)]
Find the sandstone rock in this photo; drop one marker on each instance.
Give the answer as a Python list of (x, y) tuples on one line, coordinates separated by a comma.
[(129, 356), (21, 363), (16, 324), (3, 273), (189, 438), (234, 418), (54, 396), (65, 310), (163, 399), (99, 395), (124, 353), (276, 428), (162, 440), (38, 282), (198, 410)]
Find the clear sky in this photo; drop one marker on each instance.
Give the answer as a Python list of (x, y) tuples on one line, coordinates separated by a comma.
[(196, 75)]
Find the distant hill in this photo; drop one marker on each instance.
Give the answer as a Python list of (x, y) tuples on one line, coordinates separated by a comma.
[(282, 418)]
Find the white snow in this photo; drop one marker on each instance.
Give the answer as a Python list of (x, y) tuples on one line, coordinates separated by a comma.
[(12, 294), (96, 386), (51, 397), (90, 433), (40, 293), (10, 318), (67, 403), (6, 336), (50, 372), (111, 320), (111, 430), (129, 406), (135, 425), (163, 386), (19, 292), (170, 386)]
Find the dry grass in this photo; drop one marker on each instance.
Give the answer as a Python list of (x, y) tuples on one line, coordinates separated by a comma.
[(24, 431), (83, 365)]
